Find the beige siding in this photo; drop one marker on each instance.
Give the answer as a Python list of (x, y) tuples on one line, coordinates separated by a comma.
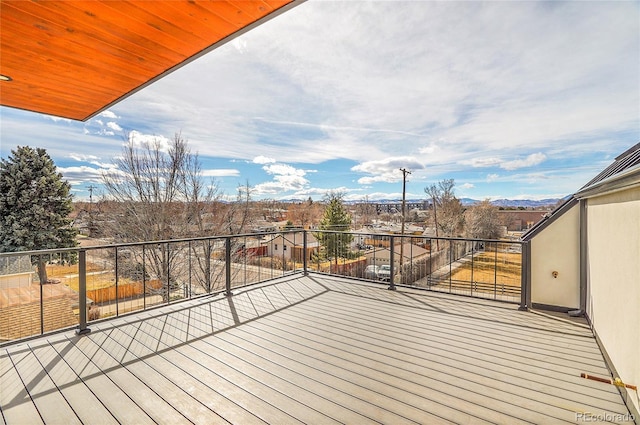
[(614, 280), (557, 249)]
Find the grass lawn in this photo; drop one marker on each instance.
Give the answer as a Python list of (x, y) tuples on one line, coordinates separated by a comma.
[(507, 269), (68, 274)]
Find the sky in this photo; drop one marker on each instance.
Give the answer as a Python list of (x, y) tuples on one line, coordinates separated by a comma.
[(517, 100)]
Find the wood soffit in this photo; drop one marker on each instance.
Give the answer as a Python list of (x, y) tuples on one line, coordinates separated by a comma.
[(74, 59)]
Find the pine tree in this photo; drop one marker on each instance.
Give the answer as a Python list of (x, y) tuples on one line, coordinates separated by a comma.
[(335, 218), (35, 203)]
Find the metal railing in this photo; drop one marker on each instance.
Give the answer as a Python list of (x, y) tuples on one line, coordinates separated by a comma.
[(93, 283), (483, 268)]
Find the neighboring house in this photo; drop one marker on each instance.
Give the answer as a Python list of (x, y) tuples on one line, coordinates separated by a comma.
[(517, 220), (410, 253), (16, 272), (585, 256), (290, 246)]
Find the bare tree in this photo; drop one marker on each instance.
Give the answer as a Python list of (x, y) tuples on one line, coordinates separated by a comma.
[(304, 214), (448, 214), (366, 210), (159, 193), (483, 221)]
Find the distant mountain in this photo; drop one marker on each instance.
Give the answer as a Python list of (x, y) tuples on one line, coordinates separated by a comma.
[(527, 203), (505, 203)]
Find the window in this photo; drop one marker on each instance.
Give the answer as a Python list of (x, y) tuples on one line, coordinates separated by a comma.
[(276, 248), (284, 248)]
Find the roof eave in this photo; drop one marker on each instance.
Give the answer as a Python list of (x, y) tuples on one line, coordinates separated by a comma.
[(623, 181)]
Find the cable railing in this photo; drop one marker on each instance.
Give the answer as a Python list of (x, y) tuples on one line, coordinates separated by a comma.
[(482, 268), (86, 284)]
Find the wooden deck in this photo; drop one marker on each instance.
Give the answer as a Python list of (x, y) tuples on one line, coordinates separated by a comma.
[(314, 350)]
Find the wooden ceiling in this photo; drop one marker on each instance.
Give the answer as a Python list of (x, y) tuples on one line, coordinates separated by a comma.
[(74, 59)]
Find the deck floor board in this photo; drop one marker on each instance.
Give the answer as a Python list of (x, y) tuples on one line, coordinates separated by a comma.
[(314, 349)]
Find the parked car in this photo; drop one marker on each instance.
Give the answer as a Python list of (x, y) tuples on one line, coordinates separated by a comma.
[(384, 272), (371, 272)]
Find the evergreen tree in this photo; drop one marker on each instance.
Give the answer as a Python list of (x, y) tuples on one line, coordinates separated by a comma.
[(35, 203), (335, 218)]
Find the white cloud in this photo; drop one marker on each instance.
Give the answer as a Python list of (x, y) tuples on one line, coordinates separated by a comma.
[(82, 173), (82, 157), (263, 160), (283, 169), (285, 179), (481, 162), (114, 126), (317, 192), (467, 186), (386, 170), (58, 119), (529, 161), (223, 172), (492, 177), (145, 140), (109, 114), (106, 165)]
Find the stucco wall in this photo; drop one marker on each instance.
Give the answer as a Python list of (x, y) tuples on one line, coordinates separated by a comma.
[(557, 248), (613, 302)]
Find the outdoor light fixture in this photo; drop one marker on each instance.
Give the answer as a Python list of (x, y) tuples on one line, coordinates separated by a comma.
[(5, 78)]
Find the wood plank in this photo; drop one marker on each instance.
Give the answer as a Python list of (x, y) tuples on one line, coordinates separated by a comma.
[(304, 354), (105, 354), (386, 325), (115, 398), (254, 398), (433, 389), (184, 402), (388, 397), (15, 402), (225, 409), (331, 406), (469, 366), (84, 403), (51, 405)]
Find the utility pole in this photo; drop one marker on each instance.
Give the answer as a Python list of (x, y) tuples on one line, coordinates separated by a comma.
[(405, 172), (91, 189)]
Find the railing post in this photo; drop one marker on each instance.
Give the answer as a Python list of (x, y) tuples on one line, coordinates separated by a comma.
[(392, 286), (41, 264), (116, 281), (227, 264), (82, 293), (472, 246), (304, 252), (495, 272), (144, 278), (525, 296)]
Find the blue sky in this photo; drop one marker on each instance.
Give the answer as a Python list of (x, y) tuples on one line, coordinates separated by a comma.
[(521, 100)]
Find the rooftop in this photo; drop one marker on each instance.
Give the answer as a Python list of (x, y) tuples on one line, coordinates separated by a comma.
[(313, 349)]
